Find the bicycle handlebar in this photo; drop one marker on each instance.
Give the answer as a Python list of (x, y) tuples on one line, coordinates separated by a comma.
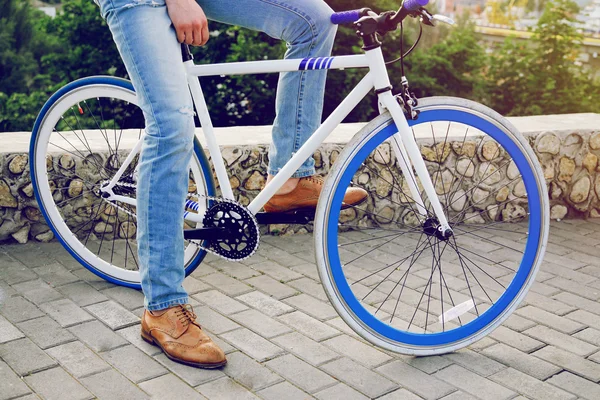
[(347, 17)]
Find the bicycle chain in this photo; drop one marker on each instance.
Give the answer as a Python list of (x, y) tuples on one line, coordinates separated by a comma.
[(190, 196)]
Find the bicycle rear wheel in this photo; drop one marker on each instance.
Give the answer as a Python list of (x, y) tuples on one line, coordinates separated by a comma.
[(386, 271), (81, 138)]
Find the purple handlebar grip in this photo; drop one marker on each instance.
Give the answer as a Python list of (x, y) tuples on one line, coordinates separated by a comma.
[(345, 17), (413, 5)]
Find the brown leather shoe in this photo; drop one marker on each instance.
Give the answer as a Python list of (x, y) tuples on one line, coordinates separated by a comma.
[(181, 338), (306, 195)]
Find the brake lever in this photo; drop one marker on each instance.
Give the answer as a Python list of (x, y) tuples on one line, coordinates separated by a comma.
[(443, 18)]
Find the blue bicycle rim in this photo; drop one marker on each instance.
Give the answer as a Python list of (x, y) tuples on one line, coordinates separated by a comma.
[(520, 278), (122, 83)]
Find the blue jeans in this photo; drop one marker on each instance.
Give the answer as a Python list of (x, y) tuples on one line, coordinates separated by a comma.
[(147, 43)]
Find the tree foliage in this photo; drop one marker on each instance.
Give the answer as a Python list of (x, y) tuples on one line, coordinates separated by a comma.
[(540, 76)]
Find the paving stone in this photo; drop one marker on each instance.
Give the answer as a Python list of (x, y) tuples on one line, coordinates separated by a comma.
[(570, 362), (249, 373), (24, 357), (577, 385), (225, 389), (8, 331), (113, 314), (56, 384), (126, 297), (193, 285), (460, 395), (339, 324), (10, 383), (309, 326), (359, 377), (301, 373), (523, 362), (518, 323), (341, 391), (45, 332), (37, 291), (272, 287), (579, 302), (543, 289), (307, 269), (276, 271), (585, 318), (478, 363), (214, 321), (82, 294), (307, 349), (110, 385), (562, 324), (428, 364), (226, 284), (17, 309), (311, 306), (132, 335), (595, 357), (516, 339), (97, 336), (260, 323), (473, 384), (14, 272), (281, 257), (225, 346), (283, 390), (236, 270), (590, 335), (192, 376), (134, 364), (220, 302), (549, 304), (357, 350), (309, 286), (65, 312), (401, 394), (252, 344), (530, 387), (574, 287), (78, 359), (55, 274), (95, 281), (558, 339), (425, 385), (29, 254), (265, 304), (169, 387)]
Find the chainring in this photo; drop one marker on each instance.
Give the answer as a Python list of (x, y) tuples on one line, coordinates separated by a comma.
[(245, 233)]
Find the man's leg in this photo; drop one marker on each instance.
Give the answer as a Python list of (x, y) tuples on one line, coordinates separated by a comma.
[(147, 43), (306, 28)]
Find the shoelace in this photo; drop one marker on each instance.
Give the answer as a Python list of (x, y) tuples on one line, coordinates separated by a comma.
[(316, 179), (186, 314)]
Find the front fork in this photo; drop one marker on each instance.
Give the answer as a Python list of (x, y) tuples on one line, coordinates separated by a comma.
[(405, 146)]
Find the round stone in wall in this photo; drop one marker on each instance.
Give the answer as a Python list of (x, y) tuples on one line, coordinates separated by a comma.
[(75, 187), (566, 169), (6, 197), (595, 141), (127, 230), (581, 190), (103, 228), (479, 197), (18, 163), (489, 174), (458, 200), (490, 150), (502, 194), (548, 143), (465, 167), (384, 183), (66, 161), (558, 211), (590, 161), (382, 154), (512, 171), (519, 189), (464, 149)]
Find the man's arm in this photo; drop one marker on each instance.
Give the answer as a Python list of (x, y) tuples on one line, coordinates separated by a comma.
[(189, 21)]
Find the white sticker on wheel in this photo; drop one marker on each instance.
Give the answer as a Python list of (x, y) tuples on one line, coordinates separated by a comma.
[(456, 311)]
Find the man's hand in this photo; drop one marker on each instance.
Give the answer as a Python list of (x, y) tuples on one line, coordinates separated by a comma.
[(189, 21)]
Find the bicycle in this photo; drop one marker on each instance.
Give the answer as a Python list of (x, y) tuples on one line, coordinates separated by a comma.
[(436, 208)]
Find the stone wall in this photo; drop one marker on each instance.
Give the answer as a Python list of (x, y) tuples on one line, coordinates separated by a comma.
[(569, 160)]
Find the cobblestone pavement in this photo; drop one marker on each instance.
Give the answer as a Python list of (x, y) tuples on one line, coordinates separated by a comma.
[(66, 334)]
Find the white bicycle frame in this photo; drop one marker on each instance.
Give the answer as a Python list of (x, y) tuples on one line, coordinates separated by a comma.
[(403, 142)]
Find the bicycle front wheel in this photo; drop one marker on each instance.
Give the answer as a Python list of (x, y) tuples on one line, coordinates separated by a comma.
[(387, 272), (82, 137)]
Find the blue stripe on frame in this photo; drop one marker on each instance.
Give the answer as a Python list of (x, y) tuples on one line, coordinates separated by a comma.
[(303, 64), (311, 63), (321, 63), (329, 62)]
